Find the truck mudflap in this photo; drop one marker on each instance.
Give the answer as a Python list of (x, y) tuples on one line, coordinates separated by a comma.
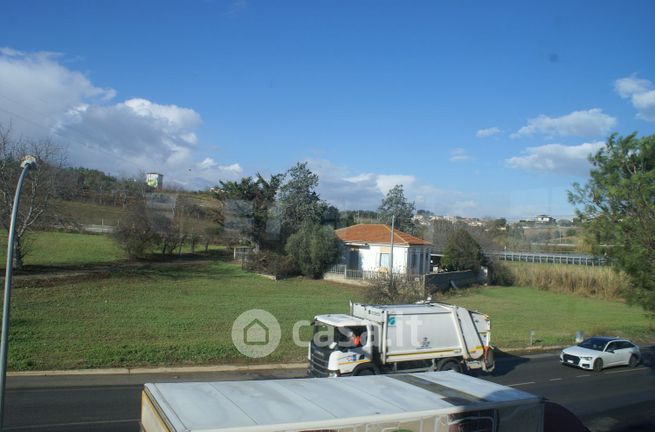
[(488, 361)]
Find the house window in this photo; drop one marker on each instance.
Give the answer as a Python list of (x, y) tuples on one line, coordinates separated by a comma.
[(384, 260)]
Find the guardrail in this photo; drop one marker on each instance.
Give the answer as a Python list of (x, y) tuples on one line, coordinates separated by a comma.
[(549, 258)]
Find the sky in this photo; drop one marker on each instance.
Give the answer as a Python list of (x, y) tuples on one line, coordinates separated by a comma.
[(479, 109)]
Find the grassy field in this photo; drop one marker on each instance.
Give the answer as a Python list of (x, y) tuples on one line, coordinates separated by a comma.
[(65, 249), (158, 316), (167, 315), (554, 317)]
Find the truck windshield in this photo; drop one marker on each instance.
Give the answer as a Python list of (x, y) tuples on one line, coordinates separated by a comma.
[(343, 338)]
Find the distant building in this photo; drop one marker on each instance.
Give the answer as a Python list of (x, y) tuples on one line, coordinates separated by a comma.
[(155, 180), (545, 219)]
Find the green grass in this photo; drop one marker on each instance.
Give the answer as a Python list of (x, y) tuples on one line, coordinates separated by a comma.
[(182, 315), (89, 213), (65, 249), (554, 317), (159, 316)]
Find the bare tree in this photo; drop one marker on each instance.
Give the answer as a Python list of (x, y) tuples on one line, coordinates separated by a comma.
[(38, 191)]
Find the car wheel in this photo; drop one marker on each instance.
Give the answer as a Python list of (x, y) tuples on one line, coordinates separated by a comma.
[(633, 361), (598, 365)]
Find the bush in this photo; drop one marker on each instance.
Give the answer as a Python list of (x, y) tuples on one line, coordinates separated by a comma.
[(462, 252), (135, 234), (314, 249), (271, 263), (500, 274), (382, 290)]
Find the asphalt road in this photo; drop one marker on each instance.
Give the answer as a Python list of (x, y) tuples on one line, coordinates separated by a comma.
[(619, 399)]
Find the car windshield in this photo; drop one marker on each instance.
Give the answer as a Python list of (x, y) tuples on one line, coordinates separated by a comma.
[(594, 343)]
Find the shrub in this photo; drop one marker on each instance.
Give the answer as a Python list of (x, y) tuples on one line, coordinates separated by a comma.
[(271, 263), (500, 274), (382, 290), (314, 249), (135, 234)]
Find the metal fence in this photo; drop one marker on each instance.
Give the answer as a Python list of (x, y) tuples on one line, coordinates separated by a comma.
[(346, 273), (549, 258)]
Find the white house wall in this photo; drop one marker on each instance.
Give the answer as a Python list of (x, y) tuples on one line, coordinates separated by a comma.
[(369, 258)]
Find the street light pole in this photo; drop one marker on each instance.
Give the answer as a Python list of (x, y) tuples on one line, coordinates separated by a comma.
[(29, 162)]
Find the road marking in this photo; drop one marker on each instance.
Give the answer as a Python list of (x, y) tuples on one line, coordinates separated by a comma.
[(582, 376), (521, 384), (626, 370), (555, 379), (54, 425)]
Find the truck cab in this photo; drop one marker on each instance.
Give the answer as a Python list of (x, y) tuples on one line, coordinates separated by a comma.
[(340, 343)]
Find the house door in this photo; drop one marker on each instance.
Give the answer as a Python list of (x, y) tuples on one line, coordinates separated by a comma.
[(353, 259)]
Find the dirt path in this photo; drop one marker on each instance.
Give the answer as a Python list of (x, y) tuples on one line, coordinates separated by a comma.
[(42, 276)]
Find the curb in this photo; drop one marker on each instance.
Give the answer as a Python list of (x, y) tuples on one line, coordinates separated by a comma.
[(159, 370)]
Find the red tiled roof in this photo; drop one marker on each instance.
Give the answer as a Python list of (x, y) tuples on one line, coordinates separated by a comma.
[(377, 233)]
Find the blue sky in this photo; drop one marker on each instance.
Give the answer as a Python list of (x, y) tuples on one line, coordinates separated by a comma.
[(477, 108)]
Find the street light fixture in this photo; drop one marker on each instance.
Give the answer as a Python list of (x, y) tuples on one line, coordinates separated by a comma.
[(28, 162)]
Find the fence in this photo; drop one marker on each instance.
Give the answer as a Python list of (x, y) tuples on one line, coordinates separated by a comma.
[(343, 271), (442, 282), (547, 258)]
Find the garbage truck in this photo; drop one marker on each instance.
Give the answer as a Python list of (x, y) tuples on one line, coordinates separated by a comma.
[(378, 339), (419, 402)]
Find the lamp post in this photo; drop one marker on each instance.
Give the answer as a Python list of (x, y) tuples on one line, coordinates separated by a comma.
[(28, 162)]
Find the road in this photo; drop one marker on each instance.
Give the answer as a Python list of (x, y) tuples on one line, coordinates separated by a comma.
[(618, 399)]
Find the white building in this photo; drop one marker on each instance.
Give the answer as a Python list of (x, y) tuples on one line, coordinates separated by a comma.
[(155, 180), (367, 247), (545, 219)]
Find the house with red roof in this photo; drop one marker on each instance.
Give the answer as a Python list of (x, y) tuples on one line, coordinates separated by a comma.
[(367, 248)]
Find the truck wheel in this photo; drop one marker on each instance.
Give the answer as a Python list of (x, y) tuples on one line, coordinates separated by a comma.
[(364, 370), (450, 365)]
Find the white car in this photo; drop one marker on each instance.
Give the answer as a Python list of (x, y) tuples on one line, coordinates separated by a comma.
[(600, 352)]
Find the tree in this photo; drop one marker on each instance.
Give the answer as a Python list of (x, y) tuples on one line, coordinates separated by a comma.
[(248, 203), (617, 209), (313, 248), (395, 204), (299, 203), (462, 252), (135, 232), (39, 189)]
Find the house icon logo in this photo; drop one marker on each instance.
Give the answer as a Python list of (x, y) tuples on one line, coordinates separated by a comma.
[(256, 333)]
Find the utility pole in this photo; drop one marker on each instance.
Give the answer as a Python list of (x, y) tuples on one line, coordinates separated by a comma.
[(29, 162), (393, 221)]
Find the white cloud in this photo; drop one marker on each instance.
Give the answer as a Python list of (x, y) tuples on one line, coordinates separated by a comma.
[(591, 122), (640, 91), (556, 158), (40, 97), (458, 154), (485, 133), (348, 191)]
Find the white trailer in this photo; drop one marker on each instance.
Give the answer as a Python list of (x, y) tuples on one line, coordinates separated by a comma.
[(375, 339), (434, 402)]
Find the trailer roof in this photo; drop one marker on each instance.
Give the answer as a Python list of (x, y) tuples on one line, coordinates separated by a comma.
[(316, 402)]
